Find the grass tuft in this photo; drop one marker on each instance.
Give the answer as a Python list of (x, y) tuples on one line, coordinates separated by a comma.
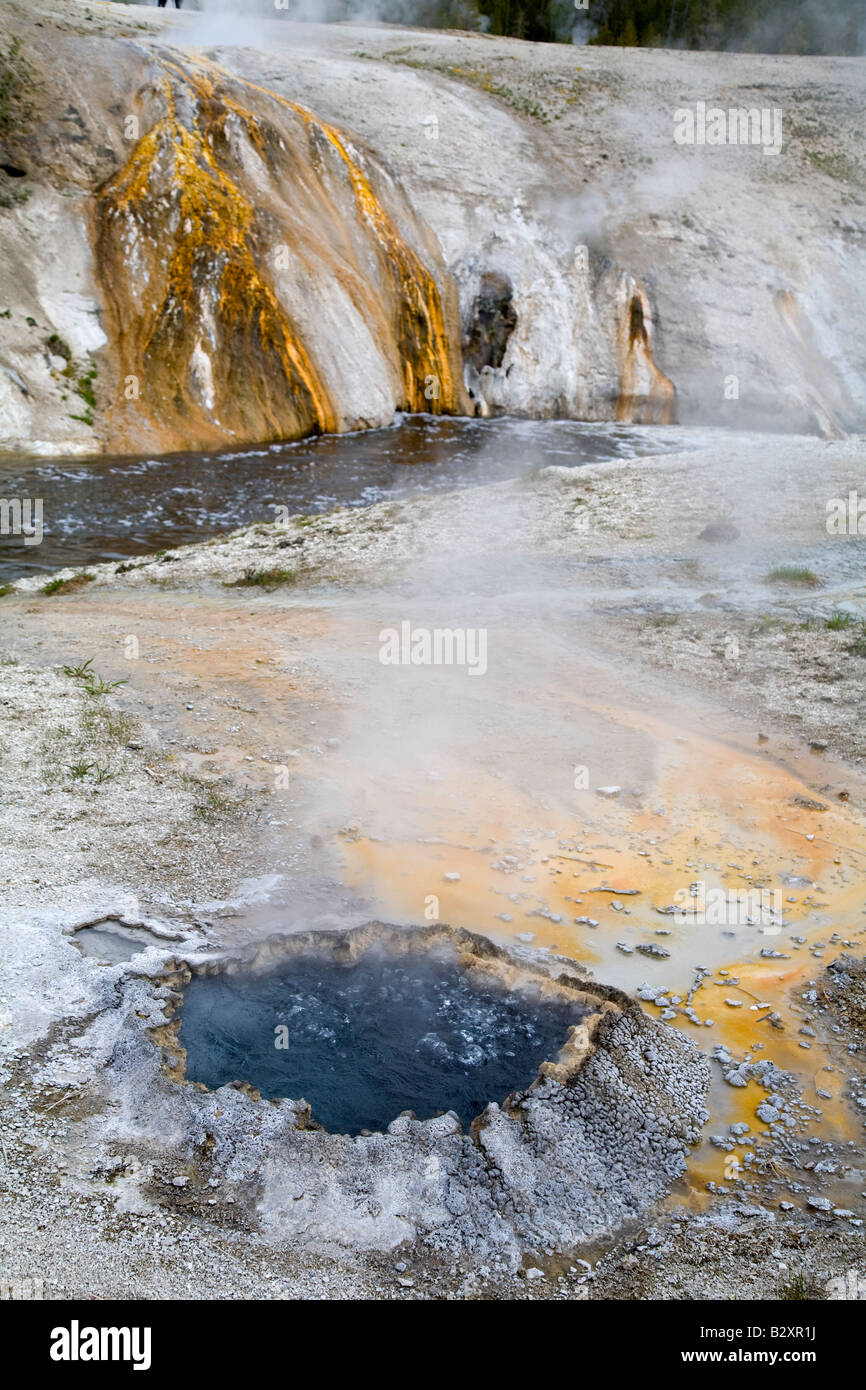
[(797, 1290), (794, 574), (67, 586), (262, 579)]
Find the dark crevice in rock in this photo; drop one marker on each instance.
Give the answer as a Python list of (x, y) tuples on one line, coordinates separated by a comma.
[(637, 325), (492, 322)]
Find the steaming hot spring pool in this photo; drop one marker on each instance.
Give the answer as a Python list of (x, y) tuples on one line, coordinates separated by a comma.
[(364, 1040)]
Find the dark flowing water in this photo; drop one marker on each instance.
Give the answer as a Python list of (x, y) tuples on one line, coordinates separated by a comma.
[(364, 1042), (109, 509)]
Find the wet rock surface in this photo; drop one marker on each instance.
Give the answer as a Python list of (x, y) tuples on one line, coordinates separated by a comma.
[(473, 155)]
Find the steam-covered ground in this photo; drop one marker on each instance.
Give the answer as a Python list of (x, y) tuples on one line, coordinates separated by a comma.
[(263, 770)]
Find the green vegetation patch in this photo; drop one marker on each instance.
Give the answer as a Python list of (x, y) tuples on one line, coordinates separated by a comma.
[(794, 574), (263, 579), (67, 586)]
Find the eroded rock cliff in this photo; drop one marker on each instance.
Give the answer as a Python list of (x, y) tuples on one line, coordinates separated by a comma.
[(210, 244)]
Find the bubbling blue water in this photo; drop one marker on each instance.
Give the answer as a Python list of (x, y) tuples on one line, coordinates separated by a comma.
[(364, 1041)]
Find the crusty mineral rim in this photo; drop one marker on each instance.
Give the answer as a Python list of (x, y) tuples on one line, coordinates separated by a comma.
[(473, 953)]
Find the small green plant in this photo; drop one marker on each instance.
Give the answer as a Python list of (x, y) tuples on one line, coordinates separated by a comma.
[(840, 621), (262, 579), (99, 687), (798, 1290), (213, 806), (210, 803), (78, 771), (835, 166), (520, 103), (91, 682), (12, 196), (794, 574), (58, 348), (83, 380), (102, 726), (91, 747), (66, 586), (85, 390), (6, 589), (795, 1289), (82, 672)]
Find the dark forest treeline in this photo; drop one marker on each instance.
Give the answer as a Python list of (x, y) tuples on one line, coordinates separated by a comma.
[(768, 26), (760, 26)]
